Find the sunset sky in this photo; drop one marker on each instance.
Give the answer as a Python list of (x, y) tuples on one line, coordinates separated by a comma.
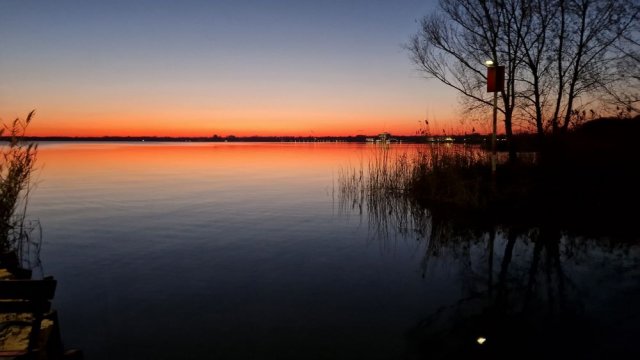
[(199, 68)]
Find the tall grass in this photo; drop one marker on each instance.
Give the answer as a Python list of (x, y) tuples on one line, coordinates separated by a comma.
[(446, 175), (17, 162), (434, 174), (393, 186)]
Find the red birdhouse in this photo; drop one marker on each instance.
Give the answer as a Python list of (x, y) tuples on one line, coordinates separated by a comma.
[(495, 78)]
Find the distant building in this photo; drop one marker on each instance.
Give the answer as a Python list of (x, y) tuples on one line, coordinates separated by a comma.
[(385, 136), (440, 139), (382, 138)]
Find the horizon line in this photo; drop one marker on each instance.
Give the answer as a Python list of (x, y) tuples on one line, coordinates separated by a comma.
[(232, 137)]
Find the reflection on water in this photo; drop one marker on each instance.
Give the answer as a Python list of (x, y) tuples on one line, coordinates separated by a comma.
[(236, 251), (524, 292)]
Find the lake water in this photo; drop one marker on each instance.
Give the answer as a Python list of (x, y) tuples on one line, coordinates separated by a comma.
[(248, 251)]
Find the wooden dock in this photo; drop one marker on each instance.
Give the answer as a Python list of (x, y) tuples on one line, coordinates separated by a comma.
[(29, 326)]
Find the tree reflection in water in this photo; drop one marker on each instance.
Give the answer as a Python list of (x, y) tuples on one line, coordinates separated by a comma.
[(528, 292)]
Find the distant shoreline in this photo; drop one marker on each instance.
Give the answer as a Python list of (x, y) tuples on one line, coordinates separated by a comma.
[(471, 138)]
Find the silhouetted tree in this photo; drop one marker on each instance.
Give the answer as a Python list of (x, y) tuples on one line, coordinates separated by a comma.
[(558, 54), (453, 44), (625, 93), (585, 44)]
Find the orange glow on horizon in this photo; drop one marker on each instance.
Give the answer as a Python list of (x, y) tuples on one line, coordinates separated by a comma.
[(121, 71), (342, 127), (345, 126)]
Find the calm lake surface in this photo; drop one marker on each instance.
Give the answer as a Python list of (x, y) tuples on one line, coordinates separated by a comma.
[(249, 251)]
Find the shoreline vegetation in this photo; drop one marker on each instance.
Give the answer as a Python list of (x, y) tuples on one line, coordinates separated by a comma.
[(583, 181), (19, 237)]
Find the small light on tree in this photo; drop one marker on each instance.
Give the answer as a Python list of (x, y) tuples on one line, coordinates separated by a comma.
[(481, 340)]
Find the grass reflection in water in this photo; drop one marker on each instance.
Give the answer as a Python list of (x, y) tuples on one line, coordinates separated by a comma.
[(530, 291)]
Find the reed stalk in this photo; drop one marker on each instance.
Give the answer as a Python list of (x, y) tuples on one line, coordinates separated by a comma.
[(17, 163)]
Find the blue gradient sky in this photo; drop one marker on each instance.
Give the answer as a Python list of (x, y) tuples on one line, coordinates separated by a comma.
[(151, 67)]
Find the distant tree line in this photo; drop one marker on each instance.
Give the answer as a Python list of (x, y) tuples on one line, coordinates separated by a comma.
[(460, 138), (565, 60)]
